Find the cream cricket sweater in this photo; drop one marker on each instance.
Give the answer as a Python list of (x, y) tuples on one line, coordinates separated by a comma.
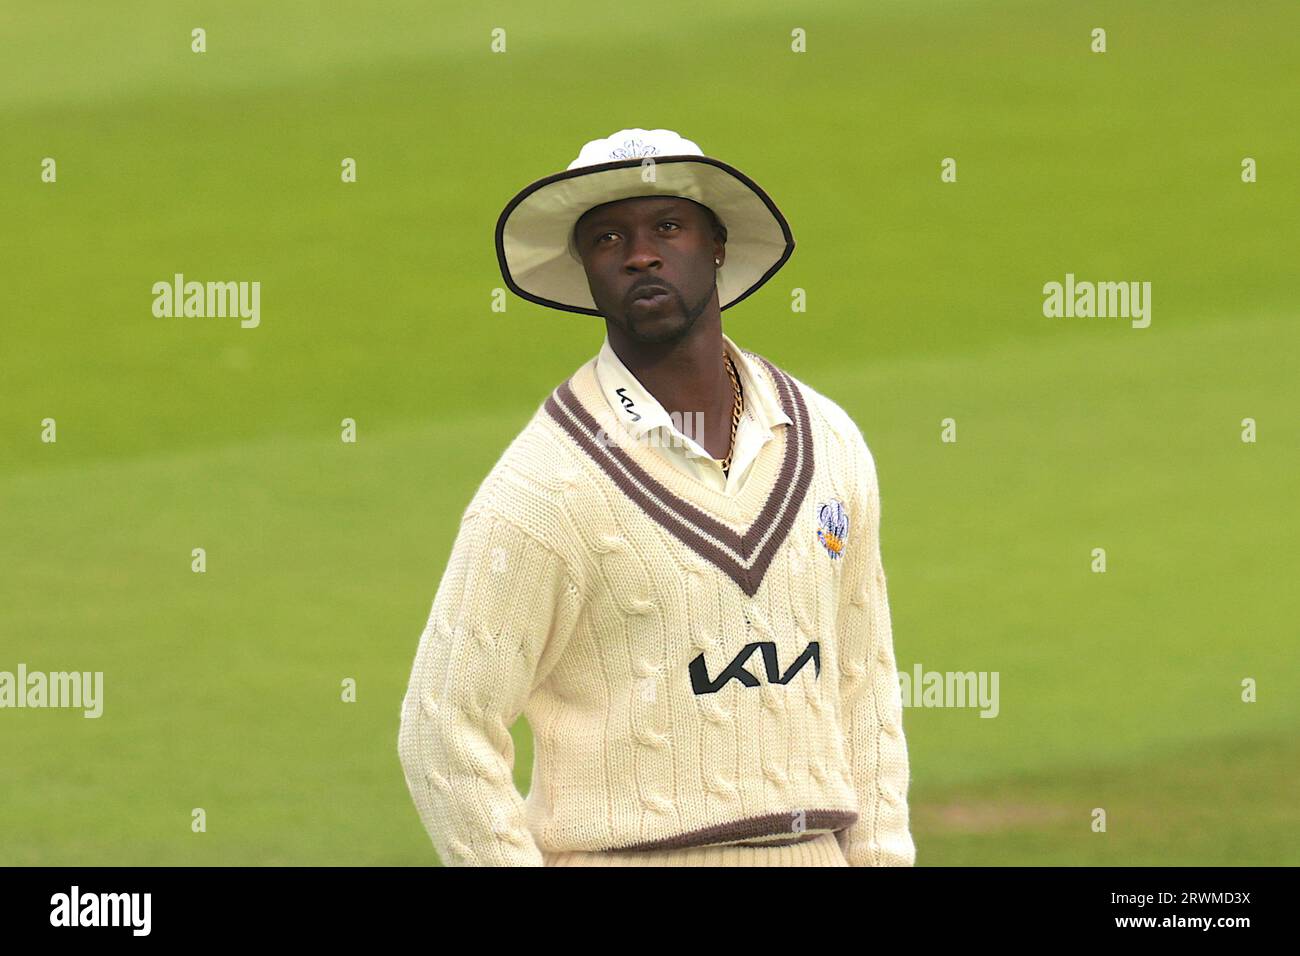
[(697, 669)]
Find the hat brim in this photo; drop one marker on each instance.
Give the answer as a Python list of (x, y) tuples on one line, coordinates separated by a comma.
[(533, 234)]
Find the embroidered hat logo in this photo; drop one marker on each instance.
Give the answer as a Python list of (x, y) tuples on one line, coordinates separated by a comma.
[(634, 147)]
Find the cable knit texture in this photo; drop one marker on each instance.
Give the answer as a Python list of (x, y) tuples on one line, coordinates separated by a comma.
[(710, 679)]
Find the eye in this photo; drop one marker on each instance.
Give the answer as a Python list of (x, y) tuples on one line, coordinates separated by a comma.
[(599, 239)]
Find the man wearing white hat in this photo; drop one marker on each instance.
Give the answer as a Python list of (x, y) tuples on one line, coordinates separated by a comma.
[(673, 571)]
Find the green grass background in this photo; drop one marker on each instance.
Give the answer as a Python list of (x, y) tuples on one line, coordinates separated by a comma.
[(1119, 691)]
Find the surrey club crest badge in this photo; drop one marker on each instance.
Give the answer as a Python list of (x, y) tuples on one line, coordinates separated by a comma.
[(832, 527)]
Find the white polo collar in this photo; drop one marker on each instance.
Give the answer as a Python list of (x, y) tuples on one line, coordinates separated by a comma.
[(639, 411)]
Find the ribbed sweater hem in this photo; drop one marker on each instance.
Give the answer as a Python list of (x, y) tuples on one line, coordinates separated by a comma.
[(823, 851)]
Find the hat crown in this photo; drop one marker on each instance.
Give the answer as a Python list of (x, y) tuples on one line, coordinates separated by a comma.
[(634, 143)]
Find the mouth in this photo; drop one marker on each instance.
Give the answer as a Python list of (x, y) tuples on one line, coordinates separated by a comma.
[(651, 297)]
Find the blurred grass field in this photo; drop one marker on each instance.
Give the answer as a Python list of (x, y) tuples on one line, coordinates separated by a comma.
[(1119, 691)]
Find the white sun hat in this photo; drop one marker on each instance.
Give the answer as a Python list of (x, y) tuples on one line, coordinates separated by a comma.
[(535, 231)]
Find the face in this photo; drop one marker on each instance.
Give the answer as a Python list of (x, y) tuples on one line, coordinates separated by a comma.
[(651, 244)]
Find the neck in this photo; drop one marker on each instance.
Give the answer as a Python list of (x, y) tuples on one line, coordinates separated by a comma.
[(685, 376)]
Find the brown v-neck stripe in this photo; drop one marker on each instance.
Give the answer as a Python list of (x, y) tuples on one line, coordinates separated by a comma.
[(742, 545), (730, 552)]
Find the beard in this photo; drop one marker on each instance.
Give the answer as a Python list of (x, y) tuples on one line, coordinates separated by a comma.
[(664, 329)]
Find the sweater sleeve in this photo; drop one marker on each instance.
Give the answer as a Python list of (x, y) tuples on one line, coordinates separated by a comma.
[(871, 701), (505, 607)]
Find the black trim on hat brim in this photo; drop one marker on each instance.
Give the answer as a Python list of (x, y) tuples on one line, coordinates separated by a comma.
[(622, 164)]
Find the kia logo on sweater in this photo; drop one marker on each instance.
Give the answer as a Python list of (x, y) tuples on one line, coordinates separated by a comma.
[(701, 684)]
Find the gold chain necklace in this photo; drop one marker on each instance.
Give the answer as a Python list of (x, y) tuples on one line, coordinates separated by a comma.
[(735, 413)]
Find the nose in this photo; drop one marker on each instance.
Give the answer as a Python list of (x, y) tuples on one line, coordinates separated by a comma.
[(642, 252)]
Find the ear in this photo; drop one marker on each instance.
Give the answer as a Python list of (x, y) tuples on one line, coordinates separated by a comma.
[(719, 230)]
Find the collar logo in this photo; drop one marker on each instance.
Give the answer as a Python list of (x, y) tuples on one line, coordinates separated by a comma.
[(832, 527), (628, 405)]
